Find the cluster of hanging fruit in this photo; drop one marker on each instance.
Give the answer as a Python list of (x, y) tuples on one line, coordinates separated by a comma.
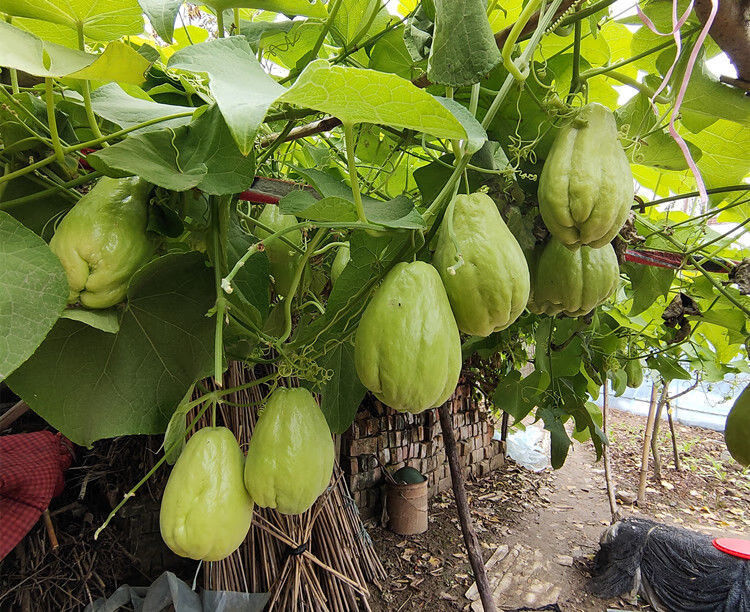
[(407, 348), (208, 502)]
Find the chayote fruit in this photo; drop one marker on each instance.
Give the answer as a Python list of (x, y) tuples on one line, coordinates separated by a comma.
[(634, 372), (103, 241), (407, 350), (290, 456), (737, 429), (489, 290), (572, 282), (342, 258), (282, 257), (206, 510), (586, 186)]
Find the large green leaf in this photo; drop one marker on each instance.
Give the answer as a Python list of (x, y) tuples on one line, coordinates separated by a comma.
[(33, 292), (707, 99), (90, 384), (463, 46), (238, 83), (99, 19), (161, 14), (342, 393), (357, 95), (288, 7), (112, 103), (26, 52), (202, 154)]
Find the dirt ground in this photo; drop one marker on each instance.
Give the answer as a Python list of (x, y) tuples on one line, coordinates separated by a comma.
[(555, 518)]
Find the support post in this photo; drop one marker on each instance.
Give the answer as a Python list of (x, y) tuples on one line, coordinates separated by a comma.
[(464, 516), (607, 468)]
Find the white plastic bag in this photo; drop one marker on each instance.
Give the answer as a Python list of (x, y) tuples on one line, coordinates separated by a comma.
[(530, 448)]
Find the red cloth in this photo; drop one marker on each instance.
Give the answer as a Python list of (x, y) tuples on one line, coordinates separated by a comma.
[(31, 474)]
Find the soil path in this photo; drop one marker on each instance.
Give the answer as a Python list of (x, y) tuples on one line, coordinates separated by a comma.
[(540, 567)]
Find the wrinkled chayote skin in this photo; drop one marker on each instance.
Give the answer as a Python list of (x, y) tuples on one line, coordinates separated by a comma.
[(586, 186), (407, 350), (572, 282), (103, 241), (290, 456), (206, 510), (490, 289), (282, 257), (737, 429), (342, 258), (634, 372)]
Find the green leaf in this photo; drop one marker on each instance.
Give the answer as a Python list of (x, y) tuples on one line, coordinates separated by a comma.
[(256, 31), (99, 19), (463, 45), (338, 204), (162, 14), (26, 52), (668, 367), (104, 320), (649, 283), (476, 137), (342, 393), (307, 8), (238, 83), (251, 284), (389, 54), (111, 102), (91, 385), (35, 214), (518, 397), (201, 154), (357, 95), (33, 292), (619, 380), (559, 440), (707, 99), (353, 18)]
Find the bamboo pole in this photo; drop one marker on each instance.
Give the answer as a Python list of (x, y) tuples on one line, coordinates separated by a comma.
[(615, 514)]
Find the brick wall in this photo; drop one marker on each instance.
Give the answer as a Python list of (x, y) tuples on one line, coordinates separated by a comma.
[(399, 439)]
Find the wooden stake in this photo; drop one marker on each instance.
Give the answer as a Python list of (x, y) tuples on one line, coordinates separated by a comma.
[(675, 452), (647, 442), (464, 516), (607, 469)]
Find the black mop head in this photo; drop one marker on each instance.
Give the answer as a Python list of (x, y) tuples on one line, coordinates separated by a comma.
[(674, 569)]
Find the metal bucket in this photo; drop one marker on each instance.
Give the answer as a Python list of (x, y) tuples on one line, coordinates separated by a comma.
[(406, 505)]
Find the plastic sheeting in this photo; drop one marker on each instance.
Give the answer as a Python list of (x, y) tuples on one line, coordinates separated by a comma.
[(168, 592)]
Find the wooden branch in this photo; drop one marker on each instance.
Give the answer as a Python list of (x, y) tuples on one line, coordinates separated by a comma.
[(647, 440), (13, 414), (675, 452), (731, 32), (464, 515)]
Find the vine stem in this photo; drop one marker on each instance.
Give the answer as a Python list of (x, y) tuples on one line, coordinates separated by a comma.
[(575, 80), (693, 194), (510, 42), (88, 144), (86, 89), (52, 121), (270, 230), (312, 245), (219, 23), (226, 283), (351, 164), (151, 472)]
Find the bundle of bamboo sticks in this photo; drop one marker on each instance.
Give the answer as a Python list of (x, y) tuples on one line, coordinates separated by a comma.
[(320, 560)]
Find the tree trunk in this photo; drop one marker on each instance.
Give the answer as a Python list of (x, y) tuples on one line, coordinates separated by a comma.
[(607, 469), (655, 437), (464, 516)]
